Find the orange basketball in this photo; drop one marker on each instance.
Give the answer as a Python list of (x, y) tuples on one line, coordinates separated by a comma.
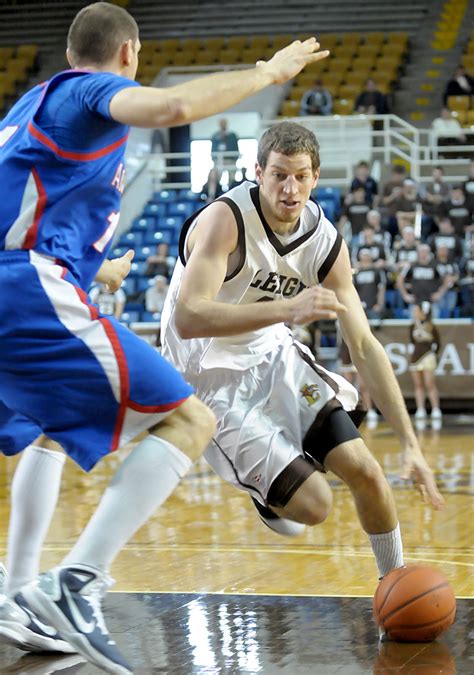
[(414, 604)]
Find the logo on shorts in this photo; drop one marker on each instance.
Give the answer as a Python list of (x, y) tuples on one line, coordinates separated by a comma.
[(257, 478), (311, 392)]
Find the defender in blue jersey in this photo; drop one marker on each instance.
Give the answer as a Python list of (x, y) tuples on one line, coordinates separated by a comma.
[(79, 378)]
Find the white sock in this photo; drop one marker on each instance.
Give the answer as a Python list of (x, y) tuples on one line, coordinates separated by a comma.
[(388, 550), (142, 483), (34, 494)]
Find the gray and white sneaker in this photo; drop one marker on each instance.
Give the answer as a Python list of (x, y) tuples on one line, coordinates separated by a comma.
[(70, 599), (21, 628)]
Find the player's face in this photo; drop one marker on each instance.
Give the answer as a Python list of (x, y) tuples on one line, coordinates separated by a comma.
[(286, 184)]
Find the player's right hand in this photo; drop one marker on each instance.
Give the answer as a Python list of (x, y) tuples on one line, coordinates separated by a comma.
[(288, 62), (313, 304)]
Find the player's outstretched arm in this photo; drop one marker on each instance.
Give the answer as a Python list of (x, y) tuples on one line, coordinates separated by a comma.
[(372, 362), (200, 314), (150, 107)]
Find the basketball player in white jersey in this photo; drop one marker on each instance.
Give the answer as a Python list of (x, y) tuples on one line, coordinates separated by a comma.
[(250, 262)]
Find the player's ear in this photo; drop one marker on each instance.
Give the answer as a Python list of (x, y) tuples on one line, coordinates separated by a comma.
[(258, 173), (126, 53), (69, 57), (316, 177)]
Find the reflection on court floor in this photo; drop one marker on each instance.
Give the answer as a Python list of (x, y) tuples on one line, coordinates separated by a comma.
[(204, 587)]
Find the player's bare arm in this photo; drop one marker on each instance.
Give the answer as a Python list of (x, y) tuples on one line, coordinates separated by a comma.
[(199, 314), (371, 361), (150, 107), (113, 272)]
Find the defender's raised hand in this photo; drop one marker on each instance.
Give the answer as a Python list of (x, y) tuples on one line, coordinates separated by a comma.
[(289, 61)]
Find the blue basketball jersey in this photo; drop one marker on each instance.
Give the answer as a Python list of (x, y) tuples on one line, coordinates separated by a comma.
[(62, 171)]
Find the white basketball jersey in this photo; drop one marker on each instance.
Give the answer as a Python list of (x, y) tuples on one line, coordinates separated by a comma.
[(261, 269)]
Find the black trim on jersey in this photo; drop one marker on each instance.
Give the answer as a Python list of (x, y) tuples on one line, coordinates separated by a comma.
[(330, 259), (245, 485), (280, 248), (240, 233), (319, 371)]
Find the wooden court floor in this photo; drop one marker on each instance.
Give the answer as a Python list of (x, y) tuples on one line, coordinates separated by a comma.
[(204, 587)]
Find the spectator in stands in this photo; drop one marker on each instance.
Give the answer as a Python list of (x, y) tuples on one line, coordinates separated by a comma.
[(316, 101), (354, 214), (461, 84), (436, 193), (374, 218), (156, 294), (368, 242), (362, 178), (225, 149), (466, 283), (447, 130), (158, 262), (212, 188), (422, 282), (110, 303), (391, 191), (458, 211), (405, 249), (446, 237), (370, 284), (407, 205), (449, 271), (468, 187), (371, 101), (425, 340)]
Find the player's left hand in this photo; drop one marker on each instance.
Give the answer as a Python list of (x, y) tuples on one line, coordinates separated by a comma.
[(416, 467), (119, 268)]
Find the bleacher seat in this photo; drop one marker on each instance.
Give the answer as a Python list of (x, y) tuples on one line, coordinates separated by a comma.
[(153, 209), (143, 224), (164, 196), (142, 253), (130, 317), (129, 285), (159, 237), (144, 283), (181, 210), (328, 208), (131, 239), (137, 269), (150, 316)]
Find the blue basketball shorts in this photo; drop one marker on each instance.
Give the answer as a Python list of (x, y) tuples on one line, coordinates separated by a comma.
[(67, 371)]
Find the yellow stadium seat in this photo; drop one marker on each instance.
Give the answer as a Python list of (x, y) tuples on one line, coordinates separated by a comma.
[(397, 38), (368, 51), (183, 58), (161, 59), (461, 117), (387, 63), (229, 56), (383, 77), (459, 103), (468, 63), (395, 50), (349, 91), (190, 44), (358, 77), (374, 38), (333, 77), (169, 45), (290, 109), (28, 52), (296, 93), (279, 41), (18, 68), (343, 106), (259, 42), (236, 42), (343, 52), (328, 41), (470, 118), (213, 44), (6, 52), (251, 55), (363, 63), (206, 57), (350, 39), (7, 84)]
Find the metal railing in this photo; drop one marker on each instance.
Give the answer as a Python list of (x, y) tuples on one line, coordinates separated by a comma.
[(344, 141)]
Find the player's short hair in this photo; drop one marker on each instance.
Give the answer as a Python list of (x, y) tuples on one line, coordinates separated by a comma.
[(288, 138), (98, 31)]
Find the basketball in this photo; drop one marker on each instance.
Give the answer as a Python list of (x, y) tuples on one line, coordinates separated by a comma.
[(414, 604)]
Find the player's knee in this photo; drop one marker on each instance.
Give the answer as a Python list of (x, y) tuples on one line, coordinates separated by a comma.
[(318, 508), (192, 426), (369, 477)]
